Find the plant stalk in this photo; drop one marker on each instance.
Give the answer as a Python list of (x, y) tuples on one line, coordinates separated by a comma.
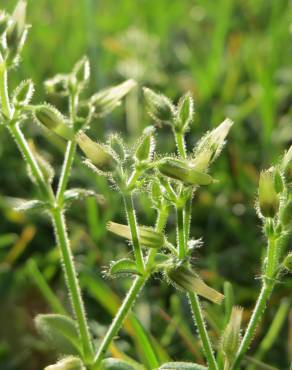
[(129, 206), (58, 220), (130, 297)]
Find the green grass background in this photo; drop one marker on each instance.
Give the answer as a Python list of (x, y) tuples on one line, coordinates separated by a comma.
[(235, 56)]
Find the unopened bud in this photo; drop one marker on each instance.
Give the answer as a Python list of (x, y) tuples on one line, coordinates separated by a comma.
[(268, 197), (231, 336), (185, 112), (108, 99), (23, 93), (278, 181), (287, 164), (146, 145), (156, 194), (159, 106), (184, 278), (4, 22), (214, 140), (17, 30), (98, 154), (118, 146), (202, 160), (67, 363), (288, 262), (58, 85), (81, 71), (183, 171), (148, 237), (51, 118)]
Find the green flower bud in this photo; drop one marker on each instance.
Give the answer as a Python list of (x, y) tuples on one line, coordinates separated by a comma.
[(231, 336), (108, 99), (278, 181), (183, 171), (98, 154), (52, 119), (4, 22), (118, 146), (268, 198), (58, 85), (288, 262), (214, 140), (17, 30), (67, 363), (156, 194), (148, 237), (146, 145), (286, 215), (159, 106), (81, 72), (202, 160), (185, 112), (23, 93), (287, 164), (184, 278)]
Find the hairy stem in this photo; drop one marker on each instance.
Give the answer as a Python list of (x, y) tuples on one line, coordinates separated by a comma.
[(200, 324), (180, 143), (130, 297), (72, 280), (6, 109), (266, 291), (128, 200), (181, 233)]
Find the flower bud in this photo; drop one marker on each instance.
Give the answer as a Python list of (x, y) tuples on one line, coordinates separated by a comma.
[(185, 112), (288, 262), (67, 363), (268, 198), (231, 336), (214, 140), (148, 237), (159, 106), (118, 146), (146, 145), (98, 154), (182, 171), (184, 278), (108, 99), (81, 71), (156, 194), (202, 160), (58, 85), (278, 181), (51, 118), (23, 93), (287, 164), (4, 22), (17, 30)]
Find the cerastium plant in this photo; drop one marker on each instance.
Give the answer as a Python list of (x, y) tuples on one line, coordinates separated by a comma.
[(170, 180)]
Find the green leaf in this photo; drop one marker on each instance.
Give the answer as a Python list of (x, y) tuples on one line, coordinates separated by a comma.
[(59, 331), (80, 194), (124, 266), (67, 363), (182, 366), (23, 205), (116, 364)]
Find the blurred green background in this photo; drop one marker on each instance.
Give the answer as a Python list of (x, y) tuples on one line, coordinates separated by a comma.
[(235, 56)]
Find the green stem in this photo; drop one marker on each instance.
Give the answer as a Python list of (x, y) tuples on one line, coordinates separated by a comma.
[(119, 319), (187, 217), (128, 200), (253, 323), (181, 232), (72, 280), (199, 322), (266, 291), (66, 169), (180, 143), (6, 109), (130, 297), (29, 158)]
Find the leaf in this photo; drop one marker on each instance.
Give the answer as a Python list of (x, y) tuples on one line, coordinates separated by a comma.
[(116, 364), (182, 366), (80, 194), (67, 363), (124, 266), (60, 331), (23, 205)]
